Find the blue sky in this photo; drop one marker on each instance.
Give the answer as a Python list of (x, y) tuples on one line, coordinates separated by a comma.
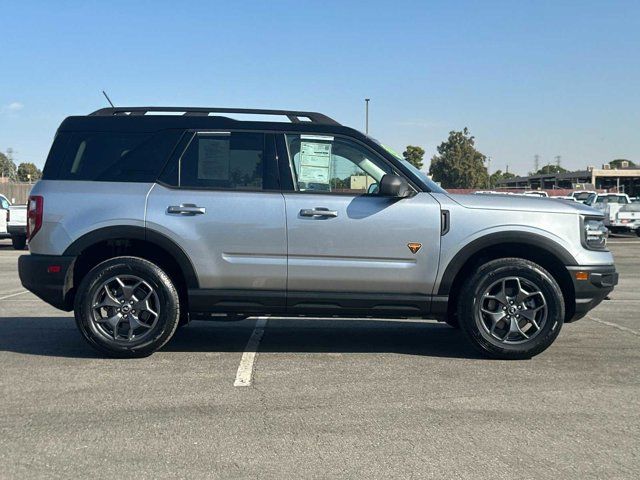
[(548, 78)]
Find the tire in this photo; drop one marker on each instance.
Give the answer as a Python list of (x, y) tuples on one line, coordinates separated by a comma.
[(638, 232), (452, 321), (501, 329), (19, 242), (107, 300)]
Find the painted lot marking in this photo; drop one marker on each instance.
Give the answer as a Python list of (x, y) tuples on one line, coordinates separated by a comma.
[(245, 370), (14, 294), (614, 325)]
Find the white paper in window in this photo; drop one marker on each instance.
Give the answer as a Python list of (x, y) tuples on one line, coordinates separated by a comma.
[(315, 162)]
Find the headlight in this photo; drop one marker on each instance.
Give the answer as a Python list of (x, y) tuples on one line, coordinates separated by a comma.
[(594, 233)]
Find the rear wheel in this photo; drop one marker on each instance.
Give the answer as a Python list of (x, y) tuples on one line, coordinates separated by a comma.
[(127, 307), (19, 242), (511, 308)]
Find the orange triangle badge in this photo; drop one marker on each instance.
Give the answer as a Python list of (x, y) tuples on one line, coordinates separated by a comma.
[(414, 246)]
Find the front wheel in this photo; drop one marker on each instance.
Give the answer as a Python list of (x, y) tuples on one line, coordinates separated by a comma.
[(511, 308), (127, 307)]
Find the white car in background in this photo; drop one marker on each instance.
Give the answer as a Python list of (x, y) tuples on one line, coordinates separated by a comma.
[(536, 193), (4, 214), (627, 219), (566, 198), (583, 195), (610, 204)]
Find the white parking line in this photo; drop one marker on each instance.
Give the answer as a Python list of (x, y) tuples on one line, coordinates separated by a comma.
[(14, 294), (614, 325), (245, 370), (622, 242)]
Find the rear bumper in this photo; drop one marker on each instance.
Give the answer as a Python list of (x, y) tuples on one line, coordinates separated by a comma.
[(590, 292), (50, 277)]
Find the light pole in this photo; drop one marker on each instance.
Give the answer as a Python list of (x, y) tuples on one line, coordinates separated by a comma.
[(366, 115), (489, 173)]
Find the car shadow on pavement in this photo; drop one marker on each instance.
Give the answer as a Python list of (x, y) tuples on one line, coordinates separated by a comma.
[(58, 337)]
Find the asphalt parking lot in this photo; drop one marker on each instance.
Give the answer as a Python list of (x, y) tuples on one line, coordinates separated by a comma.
[(328, 398)]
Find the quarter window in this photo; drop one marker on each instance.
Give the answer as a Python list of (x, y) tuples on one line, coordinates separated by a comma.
[(336, 165)]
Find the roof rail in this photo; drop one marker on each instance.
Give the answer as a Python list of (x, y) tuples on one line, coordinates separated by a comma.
[(293, 116)]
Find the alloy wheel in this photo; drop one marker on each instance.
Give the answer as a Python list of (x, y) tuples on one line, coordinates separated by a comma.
[(512, 310), (125, 309)]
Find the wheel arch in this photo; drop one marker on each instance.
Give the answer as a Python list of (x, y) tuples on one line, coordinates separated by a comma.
[(545, 252), (108, 242)]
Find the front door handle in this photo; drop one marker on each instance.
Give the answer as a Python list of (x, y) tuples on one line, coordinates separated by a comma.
[(186, 209), (318, 212)]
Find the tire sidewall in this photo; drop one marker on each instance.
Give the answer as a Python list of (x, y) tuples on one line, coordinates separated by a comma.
[(493, 272), (157, 279)]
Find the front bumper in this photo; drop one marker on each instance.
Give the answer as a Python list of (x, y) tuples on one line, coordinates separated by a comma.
[(50, 277), (594, 289)]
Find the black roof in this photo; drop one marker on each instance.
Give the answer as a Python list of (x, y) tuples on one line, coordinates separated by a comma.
[(147, 119)]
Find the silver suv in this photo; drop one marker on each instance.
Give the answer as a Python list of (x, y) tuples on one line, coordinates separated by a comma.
[(148, 217)]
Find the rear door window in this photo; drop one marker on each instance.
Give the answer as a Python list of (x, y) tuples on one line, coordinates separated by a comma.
[(113, 156), (225, 161)]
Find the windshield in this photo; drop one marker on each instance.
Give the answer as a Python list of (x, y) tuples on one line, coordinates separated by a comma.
[(582, 195), (422, 176)]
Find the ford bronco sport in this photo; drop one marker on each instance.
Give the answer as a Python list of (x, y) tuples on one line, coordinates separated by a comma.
[(148, 217)]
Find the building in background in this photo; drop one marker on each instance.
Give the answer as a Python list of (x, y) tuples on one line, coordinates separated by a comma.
[(624, 179)]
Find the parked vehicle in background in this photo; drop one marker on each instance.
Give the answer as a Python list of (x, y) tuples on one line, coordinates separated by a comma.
[(627, 219), (583, 195), (566, 198), (17, 225), (609, 204), (536, 193), (635, 200), (4, 215), (142, 222)]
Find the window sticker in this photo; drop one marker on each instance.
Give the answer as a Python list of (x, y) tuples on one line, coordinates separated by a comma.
[(213, 159), (315, 161)]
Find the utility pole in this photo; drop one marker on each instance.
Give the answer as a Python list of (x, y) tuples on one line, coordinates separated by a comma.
[(488, 173), (557, 158), (536, 163), (366, 115)]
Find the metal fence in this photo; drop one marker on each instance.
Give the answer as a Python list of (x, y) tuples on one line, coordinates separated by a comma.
[(17, 193)]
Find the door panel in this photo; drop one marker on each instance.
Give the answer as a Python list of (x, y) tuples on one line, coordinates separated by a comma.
[(363, 248), (238, 242)]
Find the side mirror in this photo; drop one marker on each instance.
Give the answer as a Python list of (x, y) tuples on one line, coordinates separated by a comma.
[(373, 189), (393, 186)]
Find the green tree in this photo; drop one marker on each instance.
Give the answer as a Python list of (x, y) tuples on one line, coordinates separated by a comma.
[(458, 163), (499, 175), (414, 155), (28, 172), (7, 167), (550, 169), (617, 163)]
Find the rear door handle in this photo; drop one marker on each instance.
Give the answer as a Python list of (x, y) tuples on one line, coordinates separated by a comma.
[(186, 209), (318, 212)]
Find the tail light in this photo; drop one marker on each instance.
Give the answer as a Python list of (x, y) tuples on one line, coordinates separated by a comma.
[(34, 215)]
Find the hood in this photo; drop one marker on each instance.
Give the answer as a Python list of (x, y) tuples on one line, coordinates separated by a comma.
[(521, 203)]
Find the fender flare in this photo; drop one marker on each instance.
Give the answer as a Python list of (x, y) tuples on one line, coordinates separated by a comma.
[(130, 232), (493, 239)]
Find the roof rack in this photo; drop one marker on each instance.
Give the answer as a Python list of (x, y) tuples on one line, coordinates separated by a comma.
[(293, 116)]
